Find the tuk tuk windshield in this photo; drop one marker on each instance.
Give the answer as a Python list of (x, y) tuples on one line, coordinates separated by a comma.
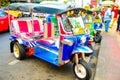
[(75, 25), (88, 19)]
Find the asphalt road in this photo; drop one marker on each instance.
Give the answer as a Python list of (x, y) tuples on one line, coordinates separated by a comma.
[(33, 68)]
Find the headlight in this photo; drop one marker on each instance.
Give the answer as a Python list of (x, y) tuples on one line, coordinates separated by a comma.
[(83, 39), (98, 24)]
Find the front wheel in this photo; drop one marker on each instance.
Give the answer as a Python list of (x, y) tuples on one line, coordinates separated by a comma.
[(82, 70)]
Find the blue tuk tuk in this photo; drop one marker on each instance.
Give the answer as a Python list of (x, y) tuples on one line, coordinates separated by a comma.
[(37, 37)]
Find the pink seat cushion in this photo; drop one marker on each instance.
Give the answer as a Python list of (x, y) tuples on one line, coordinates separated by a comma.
[(48, 41)]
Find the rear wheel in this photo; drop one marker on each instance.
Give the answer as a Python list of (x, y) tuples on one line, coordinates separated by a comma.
[(19, 51), (97, 38), (82, 70)]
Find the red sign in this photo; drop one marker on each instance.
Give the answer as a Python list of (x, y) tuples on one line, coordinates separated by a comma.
[(93, 2)]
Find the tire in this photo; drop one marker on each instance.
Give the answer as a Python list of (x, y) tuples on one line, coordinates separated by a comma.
[(11, 46), (85, 73), (19, 51), (97, 38)]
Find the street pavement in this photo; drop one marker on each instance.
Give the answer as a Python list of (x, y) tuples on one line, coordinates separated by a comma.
[(108, 66)]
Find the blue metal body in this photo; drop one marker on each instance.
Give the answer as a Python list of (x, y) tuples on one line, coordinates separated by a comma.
[(50, 53), (46, 54)]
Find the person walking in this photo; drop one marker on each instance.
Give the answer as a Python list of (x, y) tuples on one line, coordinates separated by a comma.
[(115, 14), (107, 17), (118, 22), (102, 14)]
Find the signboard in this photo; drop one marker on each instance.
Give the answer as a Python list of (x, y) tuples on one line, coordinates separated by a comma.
[(93, 2)]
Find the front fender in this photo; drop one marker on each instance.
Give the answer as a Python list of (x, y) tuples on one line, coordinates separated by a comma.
[(26, 43), (19, 41), (83, 49)]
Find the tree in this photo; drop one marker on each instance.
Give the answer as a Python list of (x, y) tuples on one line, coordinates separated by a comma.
[(4, 2)]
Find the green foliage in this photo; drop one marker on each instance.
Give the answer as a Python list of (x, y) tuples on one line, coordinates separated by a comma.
[(4, 2)]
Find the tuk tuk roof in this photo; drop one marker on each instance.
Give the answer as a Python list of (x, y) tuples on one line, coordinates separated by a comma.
[(15, 6), (76, 10), (89, 12), (27, 6), (49, 8)]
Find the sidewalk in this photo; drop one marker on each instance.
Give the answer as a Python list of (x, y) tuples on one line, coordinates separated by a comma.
[(108, 66)]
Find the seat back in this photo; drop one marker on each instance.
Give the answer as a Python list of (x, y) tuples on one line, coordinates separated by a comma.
[(28, 27), (48, 30), (23, 26), (38, 27)]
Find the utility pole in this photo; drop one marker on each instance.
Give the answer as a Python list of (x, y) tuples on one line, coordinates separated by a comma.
[(82, 3)]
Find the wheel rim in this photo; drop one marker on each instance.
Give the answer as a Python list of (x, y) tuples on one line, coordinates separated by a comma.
[(80, 71), (16, 51)]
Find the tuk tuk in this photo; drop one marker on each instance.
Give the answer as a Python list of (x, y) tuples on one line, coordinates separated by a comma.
[(93, 22), (37, 37), (97, 20), (89, 22), (13, 9)]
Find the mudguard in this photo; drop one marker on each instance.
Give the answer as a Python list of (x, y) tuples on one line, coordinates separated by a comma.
[(26, 43), (84, 49), (20, 41)]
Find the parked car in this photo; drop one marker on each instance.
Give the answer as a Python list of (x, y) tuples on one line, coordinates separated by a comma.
[(4, 21)]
